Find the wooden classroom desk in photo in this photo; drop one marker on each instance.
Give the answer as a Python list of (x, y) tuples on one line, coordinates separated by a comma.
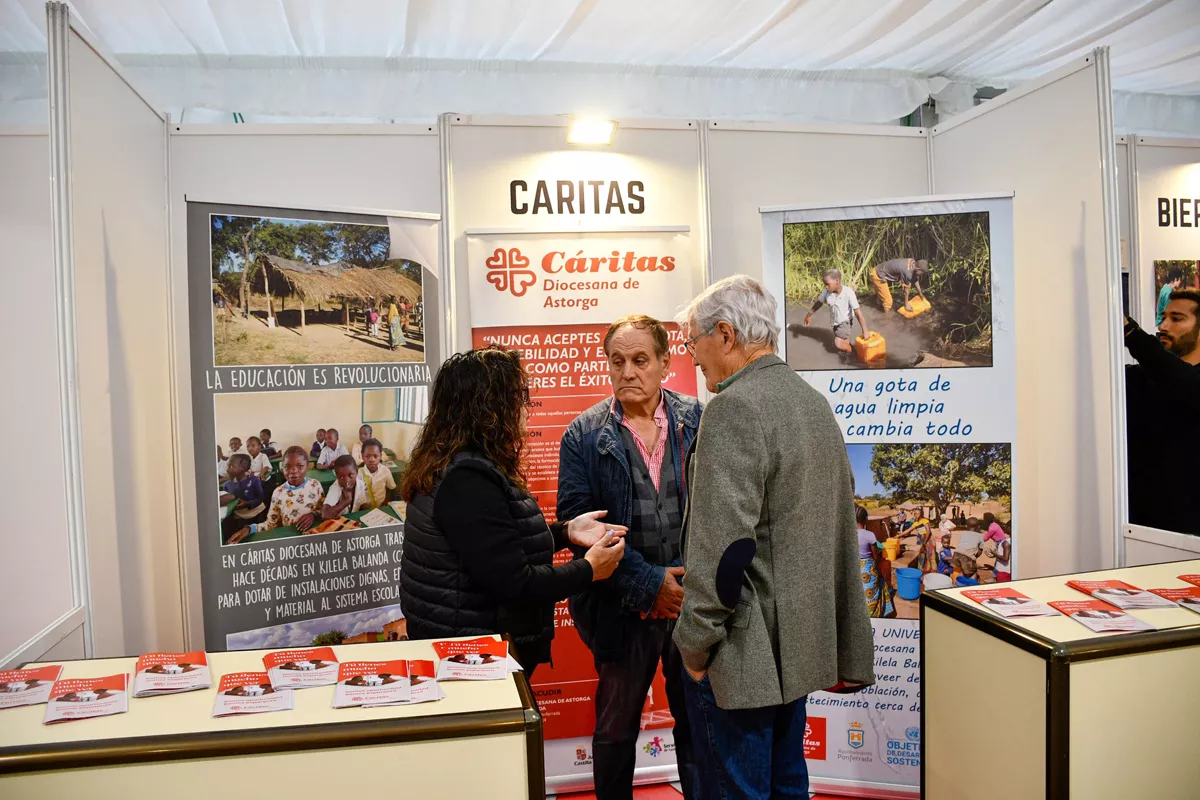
[(1042, 707), (483, 740), (288, 531)]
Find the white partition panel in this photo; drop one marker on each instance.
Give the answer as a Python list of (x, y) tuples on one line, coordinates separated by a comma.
[(1043, 142), (1168, 170), (35, 574), (756, 165), (118, 181), (383, 167)]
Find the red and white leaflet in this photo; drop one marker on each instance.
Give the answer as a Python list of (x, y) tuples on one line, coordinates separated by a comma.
[(1192, 579), (1188, 598), (250, 693), (27, 687), (81, 698), (375, 683), (170, 673), (1009, 603), (422, 678), (1119, 594), (1100, 616), (483, 659), (299, 669)]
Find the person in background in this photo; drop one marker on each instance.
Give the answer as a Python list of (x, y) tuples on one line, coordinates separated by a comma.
[(878, 592), (946, 556), (348, 493), (268, 447), (395, 327), (364, 433), (995, 532), (1162, 412), (478, 554), (1174, 282), (332, 450), (260, 465), (905, 271), (970, 544), (922, 528), (245, 487), (946, 526), (626, 454), (368, 310), (235, 446), (378, 479), (297, 502), (773, 600), (222, 464), (317, 446), (1004, 561)]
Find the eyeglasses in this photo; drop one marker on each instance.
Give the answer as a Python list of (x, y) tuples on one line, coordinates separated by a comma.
[(689, 344)]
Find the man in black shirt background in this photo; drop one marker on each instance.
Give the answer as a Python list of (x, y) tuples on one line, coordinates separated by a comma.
[(1162, 418)]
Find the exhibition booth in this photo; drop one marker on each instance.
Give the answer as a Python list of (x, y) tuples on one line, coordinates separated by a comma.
[(176, 327)]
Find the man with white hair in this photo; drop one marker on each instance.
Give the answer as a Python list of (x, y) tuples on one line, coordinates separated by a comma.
[(773, 606)]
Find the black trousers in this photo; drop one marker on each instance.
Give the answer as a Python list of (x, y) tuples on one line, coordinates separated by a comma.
[(620, 696)]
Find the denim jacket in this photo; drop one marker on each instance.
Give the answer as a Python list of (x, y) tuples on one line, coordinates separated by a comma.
[(594, 474)]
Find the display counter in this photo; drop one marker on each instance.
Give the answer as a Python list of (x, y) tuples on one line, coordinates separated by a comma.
[(483, 740), (1042, 707)]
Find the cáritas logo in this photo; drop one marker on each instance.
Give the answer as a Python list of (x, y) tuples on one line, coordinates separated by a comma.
[(509, 271)]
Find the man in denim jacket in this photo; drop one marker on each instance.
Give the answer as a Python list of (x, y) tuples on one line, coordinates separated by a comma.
[(626, 455)]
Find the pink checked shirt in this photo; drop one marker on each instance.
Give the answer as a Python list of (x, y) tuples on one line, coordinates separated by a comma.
[(653, 460)]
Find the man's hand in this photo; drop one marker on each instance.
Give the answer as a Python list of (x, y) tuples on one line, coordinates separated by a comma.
[(586, 529), (669, 602)]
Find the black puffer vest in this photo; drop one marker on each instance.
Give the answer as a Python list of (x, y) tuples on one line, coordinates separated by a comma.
[(439, 599)]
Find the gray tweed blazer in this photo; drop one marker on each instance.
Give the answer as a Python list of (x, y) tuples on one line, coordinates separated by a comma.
[(773, 605)]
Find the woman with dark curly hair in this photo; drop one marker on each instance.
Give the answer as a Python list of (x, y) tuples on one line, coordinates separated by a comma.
[(478, 554)]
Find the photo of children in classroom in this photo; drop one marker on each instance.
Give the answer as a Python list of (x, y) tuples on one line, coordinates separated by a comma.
[(303, 291), (930, 516), (893, 292), (329, 460)]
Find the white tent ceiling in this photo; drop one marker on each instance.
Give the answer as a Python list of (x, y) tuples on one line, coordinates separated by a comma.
[(844, 60)]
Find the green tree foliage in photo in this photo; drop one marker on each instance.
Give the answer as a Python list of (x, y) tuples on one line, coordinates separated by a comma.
[(943, 475), (955, 245), (1164, 270), (329, 639)]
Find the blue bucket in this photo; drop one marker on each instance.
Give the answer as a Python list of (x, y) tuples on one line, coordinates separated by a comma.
[(965, 581), (908, 583)]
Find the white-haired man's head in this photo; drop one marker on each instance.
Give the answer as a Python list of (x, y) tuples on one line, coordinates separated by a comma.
[(728, 325)]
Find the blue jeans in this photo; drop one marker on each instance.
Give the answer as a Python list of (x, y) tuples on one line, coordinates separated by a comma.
[(746, 753)]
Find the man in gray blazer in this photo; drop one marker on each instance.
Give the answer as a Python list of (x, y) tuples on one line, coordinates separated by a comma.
[(773, 606)]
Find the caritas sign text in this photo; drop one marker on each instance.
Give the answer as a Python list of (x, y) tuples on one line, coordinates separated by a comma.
[(576, 278)]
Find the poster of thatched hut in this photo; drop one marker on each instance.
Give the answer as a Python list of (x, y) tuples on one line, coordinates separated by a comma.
[(294, 291)]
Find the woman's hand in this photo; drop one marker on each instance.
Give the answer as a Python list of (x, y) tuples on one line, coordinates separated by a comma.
[(604, 555), (586, 529)]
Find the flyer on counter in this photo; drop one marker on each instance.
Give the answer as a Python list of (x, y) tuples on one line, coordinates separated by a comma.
[(376, 683), (300, 669), (1119, 594), (1188, 598), (1009, 603), (484, 659), (422, 681), (1100, 616), (1192, 579), (27, 687), (250, 693), (81, 698), (170, 673)]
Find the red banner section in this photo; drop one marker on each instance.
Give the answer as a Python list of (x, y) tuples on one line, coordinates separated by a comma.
[(570, 375)]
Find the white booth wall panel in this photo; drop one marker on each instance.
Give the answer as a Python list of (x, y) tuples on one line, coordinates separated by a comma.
[(486, 158), (748, 169), (1171, 171), (35, 573), (1045, 146), (381, 167), (118, 190)]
